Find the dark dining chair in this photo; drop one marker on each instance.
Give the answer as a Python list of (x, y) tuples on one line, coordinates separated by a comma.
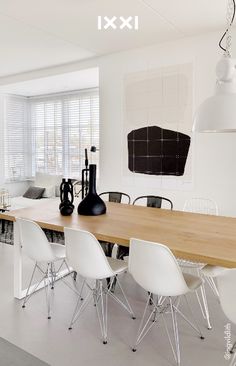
[(117, 197), (150, 201), (155, 201)]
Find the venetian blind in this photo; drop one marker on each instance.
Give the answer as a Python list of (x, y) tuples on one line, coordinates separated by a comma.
[(62, 127), (16, 138)]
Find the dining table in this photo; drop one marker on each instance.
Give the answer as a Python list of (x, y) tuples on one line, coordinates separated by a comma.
[(197, 237)]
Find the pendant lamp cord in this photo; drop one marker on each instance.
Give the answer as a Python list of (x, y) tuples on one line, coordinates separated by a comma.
[(230, 20)]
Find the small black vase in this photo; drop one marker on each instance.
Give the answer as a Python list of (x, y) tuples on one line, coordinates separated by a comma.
[(92, 204), (66, 206)]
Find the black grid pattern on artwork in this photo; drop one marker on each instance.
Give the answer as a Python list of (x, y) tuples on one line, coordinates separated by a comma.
[(156, 151)]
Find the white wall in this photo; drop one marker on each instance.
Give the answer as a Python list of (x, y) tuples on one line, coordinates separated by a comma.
[(214, 173), (214, 168)]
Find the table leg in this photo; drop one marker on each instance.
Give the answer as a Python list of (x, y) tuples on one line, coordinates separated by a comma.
[(17, 263)]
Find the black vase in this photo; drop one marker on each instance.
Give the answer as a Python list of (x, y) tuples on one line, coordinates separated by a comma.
[(66, 206), (92, 204)]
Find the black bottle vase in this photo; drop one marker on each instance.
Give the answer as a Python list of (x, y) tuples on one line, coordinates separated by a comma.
[(92, 204)]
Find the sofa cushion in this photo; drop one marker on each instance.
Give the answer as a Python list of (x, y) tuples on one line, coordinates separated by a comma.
[(34, 193)]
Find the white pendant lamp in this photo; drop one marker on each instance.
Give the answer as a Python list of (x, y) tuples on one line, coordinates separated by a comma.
[(218, 113)]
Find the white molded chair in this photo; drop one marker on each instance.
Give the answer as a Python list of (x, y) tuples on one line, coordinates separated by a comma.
[(208, 207), (154, 267), (201, 205), (84, 253), (210, 273), (44, 254)]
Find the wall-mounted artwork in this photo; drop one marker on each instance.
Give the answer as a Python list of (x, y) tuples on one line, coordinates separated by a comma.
[(158, 103), (157, 151)]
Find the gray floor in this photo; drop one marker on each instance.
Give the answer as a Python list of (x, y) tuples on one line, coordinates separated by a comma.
[(11, 355), (51, 342)]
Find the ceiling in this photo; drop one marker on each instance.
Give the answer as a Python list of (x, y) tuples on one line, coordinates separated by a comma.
[(83, 79), (38, 34)]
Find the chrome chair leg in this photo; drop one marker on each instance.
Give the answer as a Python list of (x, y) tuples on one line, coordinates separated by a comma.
[(233, 348), (49, 276), (233, 361), (96, 293), (128, 307), (53, 275), (48, 284), (200, 304), (74, 275), (144, 329), (203, 301), (212, 285), (206, 309), (194, 326), (73, 288), (30, 283), (102, 317), (165, 305), (80, 306), (28, 295), (176, 331), (100, 294), (174, 311), (174, 344), (159, 302)]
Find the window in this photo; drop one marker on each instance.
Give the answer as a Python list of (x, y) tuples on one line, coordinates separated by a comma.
[(46, 127), (62, 127), (16, 138), (58, 129)]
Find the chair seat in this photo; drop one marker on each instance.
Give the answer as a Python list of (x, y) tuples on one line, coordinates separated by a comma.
[(212, 271), (59, 251), (117, 265), (189, 264), (193, 282)]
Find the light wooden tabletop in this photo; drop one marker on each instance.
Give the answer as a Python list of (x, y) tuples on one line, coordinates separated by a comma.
[(203, 238)]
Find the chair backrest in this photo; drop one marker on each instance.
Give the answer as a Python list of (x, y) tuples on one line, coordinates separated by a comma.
[(84, 253), (154, 201), (227, 291), (155, 268), (118, 197), (201, 205), (34, 242)]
